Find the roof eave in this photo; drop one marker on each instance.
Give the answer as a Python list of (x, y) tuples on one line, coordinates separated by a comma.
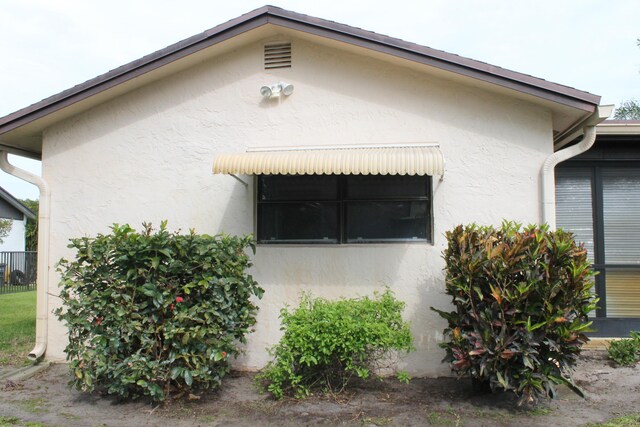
[(540, 88)]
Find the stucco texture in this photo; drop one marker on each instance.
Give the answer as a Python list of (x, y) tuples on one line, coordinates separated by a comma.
[(147, 156)]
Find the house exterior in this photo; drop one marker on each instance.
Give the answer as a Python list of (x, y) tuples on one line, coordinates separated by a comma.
[(349, 172), (598, 199), (11, 208)]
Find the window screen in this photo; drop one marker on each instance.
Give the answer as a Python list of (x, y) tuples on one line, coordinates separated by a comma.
[(343, 208)]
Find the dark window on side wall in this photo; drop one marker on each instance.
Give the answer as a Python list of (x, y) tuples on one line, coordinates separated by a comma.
[(343, 208), (599, 201)]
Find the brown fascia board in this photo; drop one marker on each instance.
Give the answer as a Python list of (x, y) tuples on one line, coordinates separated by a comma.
[(273, 15), (440, 59)]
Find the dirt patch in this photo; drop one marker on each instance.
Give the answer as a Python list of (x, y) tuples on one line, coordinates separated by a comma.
[(430, 401)]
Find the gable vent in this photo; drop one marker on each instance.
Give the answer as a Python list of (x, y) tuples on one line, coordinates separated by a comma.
[(277, 55)]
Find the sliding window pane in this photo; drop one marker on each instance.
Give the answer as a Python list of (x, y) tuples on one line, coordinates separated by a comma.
[(574, 205), (298, 187), (363, 187), (386, 221), (298, 222), (621, 215)]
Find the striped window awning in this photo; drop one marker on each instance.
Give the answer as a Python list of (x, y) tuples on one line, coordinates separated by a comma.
[(392, 159)]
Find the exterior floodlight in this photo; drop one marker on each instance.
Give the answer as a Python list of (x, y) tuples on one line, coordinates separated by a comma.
[(276, 90), (287, 88), (266, 91)]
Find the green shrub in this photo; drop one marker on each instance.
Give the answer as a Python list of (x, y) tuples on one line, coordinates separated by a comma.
[(625, 352), (521, 300), (326, 342), (152, 312)]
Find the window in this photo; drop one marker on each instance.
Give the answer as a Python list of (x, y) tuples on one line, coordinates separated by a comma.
[(343, 208), (598, 199)]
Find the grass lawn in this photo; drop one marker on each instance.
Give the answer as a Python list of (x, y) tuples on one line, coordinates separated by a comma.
[(17, 327)]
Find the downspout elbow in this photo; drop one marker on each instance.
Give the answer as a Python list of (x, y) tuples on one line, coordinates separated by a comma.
[(548, 178), (42, 276)]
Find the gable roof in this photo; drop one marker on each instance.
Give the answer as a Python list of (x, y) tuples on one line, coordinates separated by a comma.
[(17, 204), (20, 132)]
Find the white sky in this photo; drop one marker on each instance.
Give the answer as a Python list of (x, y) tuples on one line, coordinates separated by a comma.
[(50, 45)]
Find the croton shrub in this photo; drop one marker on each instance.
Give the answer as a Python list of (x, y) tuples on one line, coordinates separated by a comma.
[(152, 312), (522, 299)]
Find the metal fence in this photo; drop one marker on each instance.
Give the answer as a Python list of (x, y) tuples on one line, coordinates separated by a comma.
[(17, 271)]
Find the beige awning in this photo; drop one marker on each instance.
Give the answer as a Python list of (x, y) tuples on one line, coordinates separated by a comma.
[(397, 159)]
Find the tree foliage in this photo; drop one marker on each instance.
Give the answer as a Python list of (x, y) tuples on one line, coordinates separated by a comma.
[(31, 228), (628, 110), (5, 228)]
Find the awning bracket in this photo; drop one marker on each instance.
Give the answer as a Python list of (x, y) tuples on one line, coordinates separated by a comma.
[(246, 184)]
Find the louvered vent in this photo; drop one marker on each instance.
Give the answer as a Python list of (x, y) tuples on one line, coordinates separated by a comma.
[(277, 55)]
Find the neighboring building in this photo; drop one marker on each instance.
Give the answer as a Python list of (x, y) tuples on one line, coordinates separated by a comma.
[(369, 121), (11, 208), (598, 198)]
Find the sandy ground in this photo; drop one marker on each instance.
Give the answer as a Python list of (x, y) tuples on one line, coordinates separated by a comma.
[(611, 392)]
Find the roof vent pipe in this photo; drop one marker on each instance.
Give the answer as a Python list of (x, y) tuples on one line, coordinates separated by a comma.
[(548, 177), (42, 311)]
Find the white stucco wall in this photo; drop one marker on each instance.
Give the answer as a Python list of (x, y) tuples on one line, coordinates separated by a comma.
[(147, 156), (15, 240)]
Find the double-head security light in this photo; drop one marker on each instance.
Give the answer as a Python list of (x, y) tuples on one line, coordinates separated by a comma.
[(276, 90)]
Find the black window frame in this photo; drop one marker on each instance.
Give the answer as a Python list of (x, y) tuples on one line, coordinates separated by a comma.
[(608, 153), (342, 201)]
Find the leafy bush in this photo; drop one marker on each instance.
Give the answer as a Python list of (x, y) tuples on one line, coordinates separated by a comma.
[(153, 311), (625, 352), (522, 298), (326, 342)]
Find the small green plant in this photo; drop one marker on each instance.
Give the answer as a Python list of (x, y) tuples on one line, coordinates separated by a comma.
[(155, 311), (326, 342), (522, 299), (8, 421), (629, 420), (403, 377), (625, 352), (35, 405)]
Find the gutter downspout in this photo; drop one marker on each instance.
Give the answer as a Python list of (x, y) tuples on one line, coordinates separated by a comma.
[(42, 276), (548, 178)]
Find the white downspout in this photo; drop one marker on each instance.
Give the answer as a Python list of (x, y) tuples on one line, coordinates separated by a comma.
[(42, 277), (548, 177)]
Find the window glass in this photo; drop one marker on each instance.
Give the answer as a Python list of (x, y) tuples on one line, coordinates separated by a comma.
[(363, 187), (621, 215), (298, 222), (384, 220), (574, 206), (298, 187), (343, 208), (623, 292)]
